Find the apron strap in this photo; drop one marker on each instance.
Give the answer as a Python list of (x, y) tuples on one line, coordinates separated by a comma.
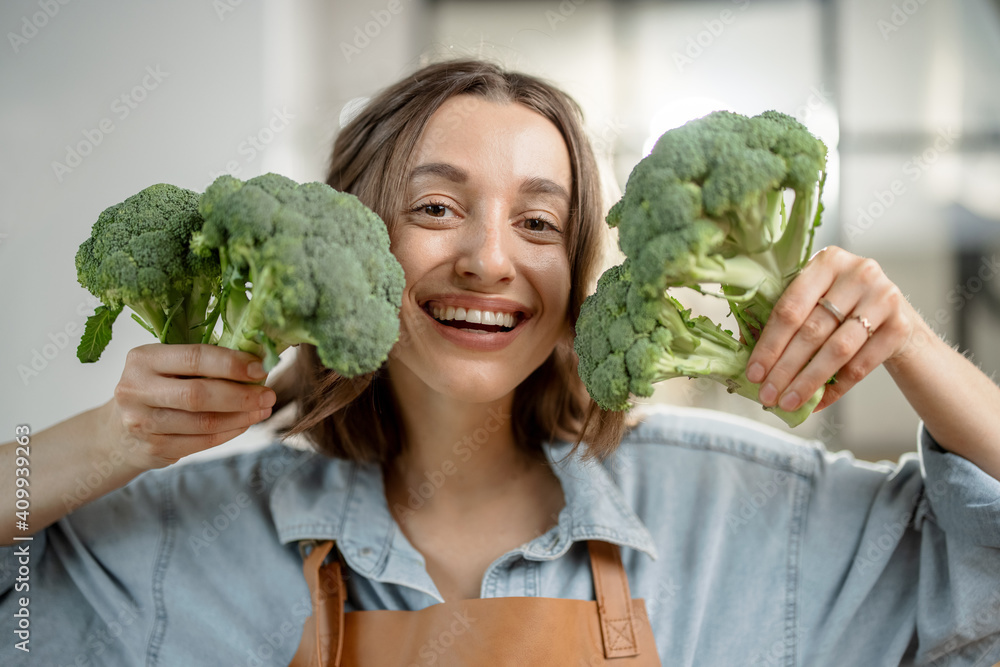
[(323, 635), (614, 602)]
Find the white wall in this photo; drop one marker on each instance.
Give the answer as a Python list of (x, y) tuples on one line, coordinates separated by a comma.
[(226, 71), (232, 69)]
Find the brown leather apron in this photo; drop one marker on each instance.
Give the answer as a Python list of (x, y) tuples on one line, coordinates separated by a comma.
[(614, 630)]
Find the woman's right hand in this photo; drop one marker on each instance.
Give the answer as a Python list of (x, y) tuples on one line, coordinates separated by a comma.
[(175, 400), (171, 401)]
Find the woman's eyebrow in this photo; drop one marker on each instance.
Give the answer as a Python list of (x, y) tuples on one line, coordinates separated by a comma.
[(448, 171), (533, 185), (543, 186)]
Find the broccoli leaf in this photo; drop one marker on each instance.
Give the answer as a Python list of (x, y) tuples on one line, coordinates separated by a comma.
[(97, 334)]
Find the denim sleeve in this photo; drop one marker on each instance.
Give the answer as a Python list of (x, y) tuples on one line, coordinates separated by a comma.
[(902, 560), (90, 581)]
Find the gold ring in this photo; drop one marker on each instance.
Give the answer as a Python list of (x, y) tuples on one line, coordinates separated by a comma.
[(833, 309), (865, 323)]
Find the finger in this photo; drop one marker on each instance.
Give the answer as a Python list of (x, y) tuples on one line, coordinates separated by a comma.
[(164, 421), (874, 352), (818, 330), (841, 346), (196, 394), (883, 344), (791, 311), (810, 361), (209, 361)]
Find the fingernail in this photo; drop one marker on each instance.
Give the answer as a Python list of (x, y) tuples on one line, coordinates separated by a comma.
[(768, 394), (263, 414), (755, 373), (789, 401), (267, 399), (256, 370)]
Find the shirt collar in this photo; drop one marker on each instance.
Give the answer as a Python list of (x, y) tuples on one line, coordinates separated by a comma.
[(334, 499)]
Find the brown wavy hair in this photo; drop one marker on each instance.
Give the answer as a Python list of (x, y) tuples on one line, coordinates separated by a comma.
[(356, 418)]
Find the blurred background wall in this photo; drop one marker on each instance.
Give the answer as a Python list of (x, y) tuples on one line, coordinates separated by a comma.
[(102, 99)]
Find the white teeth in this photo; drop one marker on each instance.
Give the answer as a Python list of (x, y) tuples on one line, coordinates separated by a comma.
[(506, 320)]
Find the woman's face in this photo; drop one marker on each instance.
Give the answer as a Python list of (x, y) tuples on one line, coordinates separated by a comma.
[(482, 243)]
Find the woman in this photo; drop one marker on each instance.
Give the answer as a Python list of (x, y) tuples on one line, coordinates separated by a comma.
[(448, 476)]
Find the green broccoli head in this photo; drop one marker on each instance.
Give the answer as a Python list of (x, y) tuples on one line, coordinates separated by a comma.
[(705, 210), (138, 255), (627, 342), (711, 192), (302, 264)]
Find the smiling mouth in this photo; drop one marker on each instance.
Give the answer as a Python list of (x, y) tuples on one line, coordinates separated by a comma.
[(472, 320)]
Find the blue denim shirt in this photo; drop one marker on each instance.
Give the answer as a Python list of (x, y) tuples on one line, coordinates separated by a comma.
[(750, 547)]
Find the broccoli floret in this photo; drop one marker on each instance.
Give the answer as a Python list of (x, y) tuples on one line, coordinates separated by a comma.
[(707, 206), (302, 264), (707, 209), (627, 341), (138, 255)]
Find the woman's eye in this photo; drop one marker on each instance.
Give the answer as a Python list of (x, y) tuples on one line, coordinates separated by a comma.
[(539, 225), (435, 210)]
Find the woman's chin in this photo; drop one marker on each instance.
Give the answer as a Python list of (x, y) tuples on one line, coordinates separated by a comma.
[(463, 382)]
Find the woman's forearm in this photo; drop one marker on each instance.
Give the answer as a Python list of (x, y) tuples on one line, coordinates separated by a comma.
[(958, 403), (68, 465)]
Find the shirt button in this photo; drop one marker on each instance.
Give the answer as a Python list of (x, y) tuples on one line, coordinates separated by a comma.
[(366, 551)]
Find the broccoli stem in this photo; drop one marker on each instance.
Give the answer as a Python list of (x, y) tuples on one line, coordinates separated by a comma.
[(237, 312), (794, 247), (200, 324), (720, 357), (739, 384)]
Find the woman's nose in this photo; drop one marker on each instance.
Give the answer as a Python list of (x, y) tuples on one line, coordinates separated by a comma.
[(485, 255)]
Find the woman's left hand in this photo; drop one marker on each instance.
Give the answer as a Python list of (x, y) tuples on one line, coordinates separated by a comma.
[(865, 321)]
